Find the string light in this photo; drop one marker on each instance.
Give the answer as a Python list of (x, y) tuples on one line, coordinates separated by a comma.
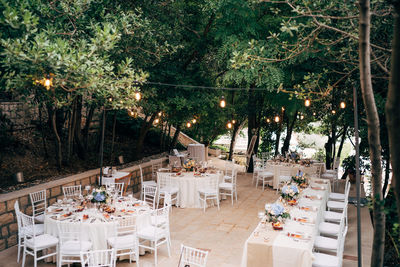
[(132, 113), (307, 102), (342, 105), (48, 82), (229, 125), (314, 113), (156, 121), (160, 114), (110, 99), (222, 102), (138, 96), (233, 121), (188, 125), (277, 118), (268, 120), (283, 108), (194, 121), (333, 111)]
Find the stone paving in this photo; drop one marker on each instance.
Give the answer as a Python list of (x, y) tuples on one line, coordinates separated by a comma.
[(224, 232)]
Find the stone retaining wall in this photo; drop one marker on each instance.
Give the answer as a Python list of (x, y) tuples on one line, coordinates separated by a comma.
[(8, 223)]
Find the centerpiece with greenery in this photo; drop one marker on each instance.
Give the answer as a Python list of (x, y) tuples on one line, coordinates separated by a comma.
[(100, 195), (189, 165), (300, 179), (289, 193), (276, 213)]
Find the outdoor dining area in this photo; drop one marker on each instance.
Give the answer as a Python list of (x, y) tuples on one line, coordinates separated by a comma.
[(179, 209)]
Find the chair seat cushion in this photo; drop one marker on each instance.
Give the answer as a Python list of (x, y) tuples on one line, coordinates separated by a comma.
[(75, 247), (325, 260), (123, 242), (161, 220), (226, 186), (265, 174), (330, 229), (150, 233), (39, 229), (170, 190), (335, 205), (323, 243), (151, 182), (336, 196), (332, 216), (42, 241), (208, 191)]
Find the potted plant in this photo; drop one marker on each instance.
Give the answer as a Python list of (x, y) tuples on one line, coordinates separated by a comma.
[(349, 166)]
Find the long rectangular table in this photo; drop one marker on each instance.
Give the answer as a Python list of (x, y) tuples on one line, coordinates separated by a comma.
[(268, 247)]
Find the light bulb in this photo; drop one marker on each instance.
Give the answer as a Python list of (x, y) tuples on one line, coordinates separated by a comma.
[(301, 117), (333, 111), (268, 120), (229, 125), (277, 119), (222, 102), (138, 96), (342, 105), (314, 113), (307, 102), (160, 114), (194, 121), (156, 121), (283, 108), (233, 121), (188, 125)]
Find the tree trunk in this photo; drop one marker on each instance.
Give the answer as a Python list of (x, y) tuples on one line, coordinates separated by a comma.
[(333, 156), (52, 116), (328, 153), (46, 154), (235, 132), (175, 138), (342, 141), (113, 137), (289, 131), (145, 127), (387, 175), (393, 106), (278, 134), (80, 149), (89, 119), (373, 133)]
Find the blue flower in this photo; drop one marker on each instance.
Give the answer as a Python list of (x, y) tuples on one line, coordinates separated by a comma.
[(285, 189), (294, 188), (277, 209), (99, 197)]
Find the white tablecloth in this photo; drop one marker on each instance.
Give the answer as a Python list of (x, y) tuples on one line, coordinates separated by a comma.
[(188, 185), (294, 168), (197, 152), (99, 230), (116, 176), (267, 247)]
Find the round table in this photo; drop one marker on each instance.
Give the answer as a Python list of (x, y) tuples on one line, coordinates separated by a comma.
[(188, 184), (99, 225), (197, 152)]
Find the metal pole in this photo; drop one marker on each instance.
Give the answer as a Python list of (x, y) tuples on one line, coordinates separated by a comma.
[(357, 177), (102, 145)]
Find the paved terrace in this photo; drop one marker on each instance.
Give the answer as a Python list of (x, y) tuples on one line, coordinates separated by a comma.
[(224, 232)]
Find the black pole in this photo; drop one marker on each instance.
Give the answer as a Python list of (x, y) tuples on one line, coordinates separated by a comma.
[(102, 145), (357, 177)]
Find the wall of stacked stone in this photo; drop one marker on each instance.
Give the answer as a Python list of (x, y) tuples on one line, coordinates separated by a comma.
[(8, 223)]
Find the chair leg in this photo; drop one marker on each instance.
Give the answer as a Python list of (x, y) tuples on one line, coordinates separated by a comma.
[(218, 202), (23, 257), (232, 197), (19, 247), (35, 258), (155, 253)]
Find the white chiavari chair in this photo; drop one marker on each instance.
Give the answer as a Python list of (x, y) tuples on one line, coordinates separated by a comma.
[(39, 205), (34, 242), (98, 258), (228, 188), (143, 183), (124, 240), (150, 195), (192, 257), (167, 186), (209, 192), (72, 191)]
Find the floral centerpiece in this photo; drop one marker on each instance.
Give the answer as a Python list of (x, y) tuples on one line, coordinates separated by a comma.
[(276, 213), (99, 195), (289, 193), (189, 165), (300, 179)]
